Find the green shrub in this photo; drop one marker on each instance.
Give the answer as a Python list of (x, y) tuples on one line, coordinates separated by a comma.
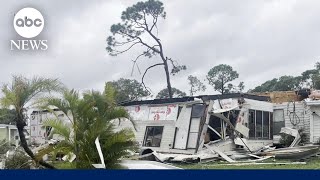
[(19, 160), (4, 147)]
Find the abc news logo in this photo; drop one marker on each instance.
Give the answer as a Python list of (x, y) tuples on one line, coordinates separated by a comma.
[(28, 23)]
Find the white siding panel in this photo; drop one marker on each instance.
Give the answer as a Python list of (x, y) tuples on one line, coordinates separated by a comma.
[(195, 123), (182, 125), (192, 141), (302, 116), (258, 105), (316, 127)]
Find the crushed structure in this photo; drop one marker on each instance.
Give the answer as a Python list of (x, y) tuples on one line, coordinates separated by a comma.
[(201, 128)]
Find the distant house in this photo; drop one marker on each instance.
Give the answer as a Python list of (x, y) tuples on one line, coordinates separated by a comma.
[(39, 134), (9, 133)]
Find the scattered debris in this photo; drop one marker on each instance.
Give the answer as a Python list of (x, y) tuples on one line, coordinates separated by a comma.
[(102, 165), (69, 157), (300, 152), (216, 150), (292, 132), (134, 164), (253, 163)]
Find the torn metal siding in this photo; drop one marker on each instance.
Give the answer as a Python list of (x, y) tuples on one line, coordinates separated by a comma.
[(300, 118), (258, 105)]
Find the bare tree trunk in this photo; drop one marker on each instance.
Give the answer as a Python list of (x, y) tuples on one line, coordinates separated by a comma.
[(24, 144), (165, 61), (168, 78), (222, 87)]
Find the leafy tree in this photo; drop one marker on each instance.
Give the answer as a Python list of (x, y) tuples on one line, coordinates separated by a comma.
[(20, 94), (234, 89), (311, 77), (128, 90), (220, 76), (139, 29), (195, 85), (176, 93), (269, 85), (284, 83), (308, 79), (90, 117), (7, 116)]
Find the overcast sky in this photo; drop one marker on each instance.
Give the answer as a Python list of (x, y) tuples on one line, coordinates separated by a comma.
[(261, 39)]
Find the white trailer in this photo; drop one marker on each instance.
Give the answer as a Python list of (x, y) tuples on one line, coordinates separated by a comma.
[(185, 125)]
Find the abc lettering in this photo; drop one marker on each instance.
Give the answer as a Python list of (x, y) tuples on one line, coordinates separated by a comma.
[(28, 22)]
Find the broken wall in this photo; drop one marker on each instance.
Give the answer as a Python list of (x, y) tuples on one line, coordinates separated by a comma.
[(295, 116), (165, 116)]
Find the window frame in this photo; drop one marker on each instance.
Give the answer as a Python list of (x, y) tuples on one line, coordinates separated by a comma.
[(153, 134), (253, 113)]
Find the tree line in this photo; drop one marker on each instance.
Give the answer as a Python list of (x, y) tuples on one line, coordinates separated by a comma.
[(219, 77), (308, 79)]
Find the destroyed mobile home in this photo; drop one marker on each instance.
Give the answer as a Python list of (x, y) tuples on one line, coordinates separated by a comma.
[(201, 128), (231, 126)]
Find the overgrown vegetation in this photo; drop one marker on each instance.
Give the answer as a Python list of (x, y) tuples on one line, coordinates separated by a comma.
[(90, 117), (20, 94), (19, 160), (4, 147), (7, 116)]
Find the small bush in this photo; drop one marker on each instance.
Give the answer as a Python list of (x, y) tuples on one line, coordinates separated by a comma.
[(286, 139), (19, 160), (303, 135), (4, 147)]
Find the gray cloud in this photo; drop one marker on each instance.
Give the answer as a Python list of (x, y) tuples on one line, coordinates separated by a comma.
[(260, 39)]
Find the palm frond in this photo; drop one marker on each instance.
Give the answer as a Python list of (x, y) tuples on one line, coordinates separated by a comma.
[(59, 127)]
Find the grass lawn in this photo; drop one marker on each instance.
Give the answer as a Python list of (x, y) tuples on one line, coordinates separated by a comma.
[(313, 163), (63, 165)]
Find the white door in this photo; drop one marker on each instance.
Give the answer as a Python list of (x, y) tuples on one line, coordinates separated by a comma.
[(316, 128), (182, 128), (194, 133)]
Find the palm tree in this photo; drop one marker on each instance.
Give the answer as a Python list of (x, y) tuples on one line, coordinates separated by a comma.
[(90, 117), (23, 93)]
